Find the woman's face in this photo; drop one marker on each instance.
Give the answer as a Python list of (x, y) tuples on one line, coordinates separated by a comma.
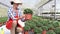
[(16, 5)]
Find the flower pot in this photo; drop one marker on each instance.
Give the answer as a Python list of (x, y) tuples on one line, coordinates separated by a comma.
[(28, 16), (26, 32), (32, 30), (44, 32), (0, 24)]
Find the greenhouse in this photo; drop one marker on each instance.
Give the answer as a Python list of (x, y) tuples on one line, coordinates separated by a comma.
[(40, 16)]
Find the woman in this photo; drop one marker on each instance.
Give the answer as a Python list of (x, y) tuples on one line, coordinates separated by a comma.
[(14, 14)]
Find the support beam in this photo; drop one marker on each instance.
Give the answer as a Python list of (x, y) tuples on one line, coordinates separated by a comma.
[(4, 4), (42, 3)]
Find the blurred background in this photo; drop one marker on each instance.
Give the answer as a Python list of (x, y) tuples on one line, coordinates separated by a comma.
[(46, 8), (46, 16)]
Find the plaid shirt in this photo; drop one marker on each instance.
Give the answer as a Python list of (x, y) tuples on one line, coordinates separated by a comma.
[(11, 13)]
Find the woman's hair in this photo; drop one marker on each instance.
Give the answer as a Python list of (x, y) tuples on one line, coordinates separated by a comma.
[(12, 2)]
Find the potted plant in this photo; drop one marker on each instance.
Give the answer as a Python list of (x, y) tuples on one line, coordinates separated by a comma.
[(30, 23), (51, 32), (3, 20), (0, 24), (39, 24), (56, 24), (57, 30), (45, 22), (28, 26), (28, 14), (26, 29), (37, 30), (45, 28), (50, 26)]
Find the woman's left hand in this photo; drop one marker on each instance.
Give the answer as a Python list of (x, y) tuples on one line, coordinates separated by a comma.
[(19, 29)]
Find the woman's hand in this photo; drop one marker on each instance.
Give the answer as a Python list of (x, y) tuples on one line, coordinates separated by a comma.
[(16, 18), (19, 29), (22, 16)]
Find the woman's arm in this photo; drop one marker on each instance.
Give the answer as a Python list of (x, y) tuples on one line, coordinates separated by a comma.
[(23, 16)]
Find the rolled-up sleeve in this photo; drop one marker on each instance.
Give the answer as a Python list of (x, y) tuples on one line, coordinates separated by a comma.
[(20, 13)]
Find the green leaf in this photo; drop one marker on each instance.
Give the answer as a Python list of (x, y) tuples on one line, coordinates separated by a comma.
[(3, 19), (26, 28), (38, 30), (56, 24), (44, 27), (51, 32), (28, 11), (57, 30)]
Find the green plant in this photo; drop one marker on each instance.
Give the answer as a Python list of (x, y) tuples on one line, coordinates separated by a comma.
[(38, 24), (26, 28), (57, 30), (38, 30), (51, 32), (50, 26), (31, 23), (50, 22), (44, 27), (37, 33), (28, 11), (56, 24), (3, 19), (45, 22), (32, 26)]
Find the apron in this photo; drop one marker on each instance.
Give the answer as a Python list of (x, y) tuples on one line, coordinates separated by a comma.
[(10, 21)]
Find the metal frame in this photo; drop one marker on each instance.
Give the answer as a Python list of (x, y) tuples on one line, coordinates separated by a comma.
[(45, 3), (4, 4)]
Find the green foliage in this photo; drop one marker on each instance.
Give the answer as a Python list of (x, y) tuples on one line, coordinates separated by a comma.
[(44, 27), (40, 24), (50, 26), (28, 11), (26, 28), (3, 19), (38, 33), (38, 30), (57, 30), (51, 32), (56, 24)]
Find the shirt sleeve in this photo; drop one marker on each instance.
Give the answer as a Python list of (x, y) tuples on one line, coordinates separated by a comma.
[(10, 15), (20, 13)]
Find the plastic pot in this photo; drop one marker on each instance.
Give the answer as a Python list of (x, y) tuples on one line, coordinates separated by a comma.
[(0, 24), (44, 32), (26, 32)]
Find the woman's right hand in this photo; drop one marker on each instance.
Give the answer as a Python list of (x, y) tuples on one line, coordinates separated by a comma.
[(19, 29)]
